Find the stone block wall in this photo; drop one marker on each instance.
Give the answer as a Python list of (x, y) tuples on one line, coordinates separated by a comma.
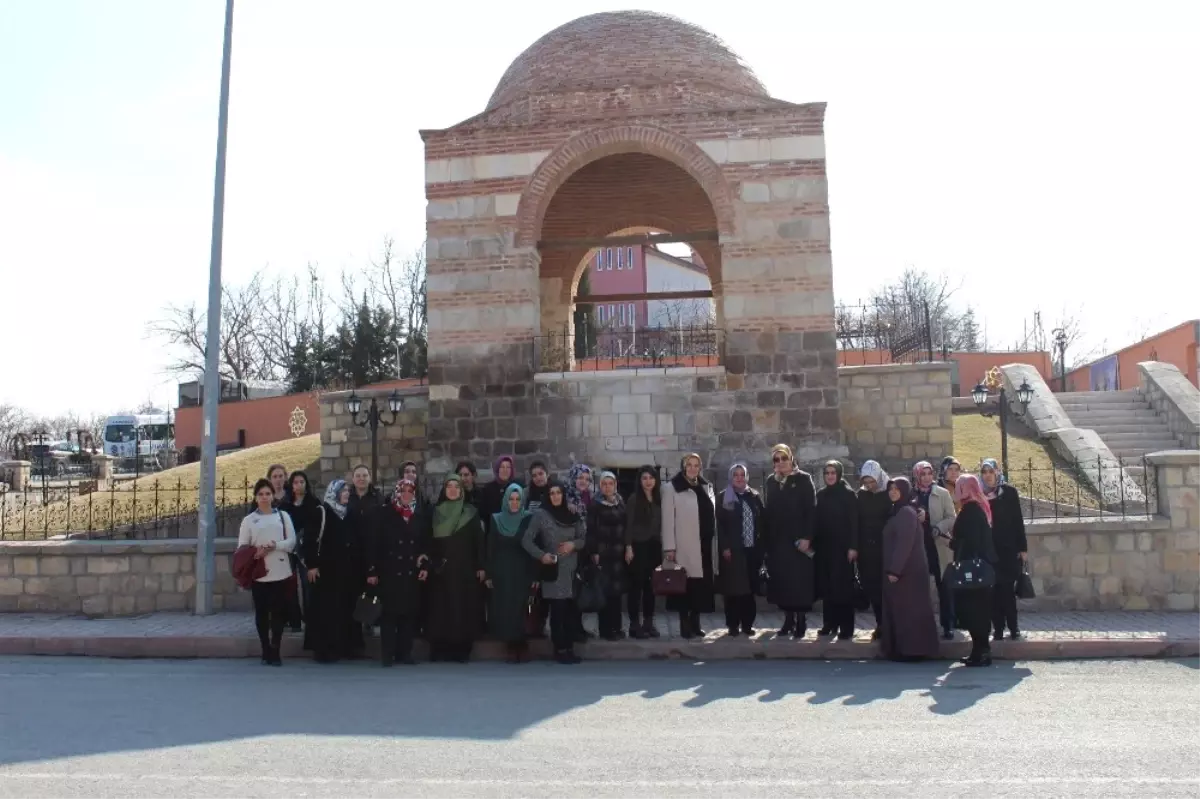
[(345, 444), (1173, 396), (897, 413), (103, 578)]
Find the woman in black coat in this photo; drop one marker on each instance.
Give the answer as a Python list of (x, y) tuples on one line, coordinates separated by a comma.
[(396, 567), (836, 539), (1012, 549), (739, 537), (972, 540), (874, 510), (606, 520), (303, 507), (456, 559), (787, 540), (365, 500), (330, 631)]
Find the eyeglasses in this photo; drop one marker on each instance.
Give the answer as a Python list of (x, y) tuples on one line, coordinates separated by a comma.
[(780, 459)]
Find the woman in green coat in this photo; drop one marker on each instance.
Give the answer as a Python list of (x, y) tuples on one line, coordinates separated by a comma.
[(511, 575)]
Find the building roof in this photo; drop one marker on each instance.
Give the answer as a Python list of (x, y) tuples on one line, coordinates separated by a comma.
[(674, 259), (613, 50)]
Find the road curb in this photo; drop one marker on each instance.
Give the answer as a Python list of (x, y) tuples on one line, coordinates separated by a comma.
[(712, 649)]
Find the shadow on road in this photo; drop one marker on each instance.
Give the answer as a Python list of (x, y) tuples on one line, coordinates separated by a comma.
[(52, 708)]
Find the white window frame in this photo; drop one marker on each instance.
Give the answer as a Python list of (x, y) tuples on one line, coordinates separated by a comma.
[(600, 259), (620, 259), (609, 258), (622, 314), (632, 315), (600, 314), (629, 258)]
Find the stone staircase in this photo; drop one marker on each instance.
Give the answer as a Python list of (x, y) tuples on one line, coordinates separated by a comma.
[(1124, 421)]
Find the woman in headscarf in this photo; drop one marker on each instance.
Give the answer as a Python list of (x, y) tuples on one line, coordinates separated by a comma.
[(330, 631), (874, 509), (606, 521), (836, 538), (558, 536), (1012, 549), (948, 473), (909, 632), (491, 495), (689, 531), (790, 506), (512, 574), (396, 567), (935, 510), (972, 540), (643, 551), (739, 533), (456, 558), (579, 499)]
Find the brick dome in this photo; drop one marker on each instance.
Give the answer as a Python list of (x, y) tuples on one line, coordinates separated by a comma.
[(604, 52)]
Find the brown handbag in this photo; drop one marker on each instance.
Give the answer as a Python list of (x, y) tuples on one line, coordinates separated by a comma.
[(669, 582)]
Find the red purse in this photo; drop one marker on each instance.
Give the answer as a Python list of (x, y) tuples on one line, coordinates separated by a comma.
[(669, 582), (247, 568)]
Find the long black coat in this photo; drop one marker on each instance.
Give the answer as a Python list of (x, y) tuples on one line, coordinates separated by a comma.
[(739, 575), (394, 555), (455, 593), (874, 510), (789, 510), (606, 538), (835, 534), (360, 518), (330, 629), (1008, 533)]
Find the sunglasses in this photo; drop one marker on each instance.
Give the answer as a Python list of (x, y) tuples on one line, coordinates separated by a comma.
[(780, 459)]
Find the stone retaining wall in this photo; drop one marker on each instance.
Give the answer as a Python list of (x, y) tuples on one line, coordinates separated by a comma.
[(109, 578), (1173, 396), (345, 444), (897, 413)]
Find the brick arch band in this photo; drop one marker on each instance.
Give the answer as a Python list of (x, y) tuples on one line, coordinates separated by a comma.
[(584, 148)]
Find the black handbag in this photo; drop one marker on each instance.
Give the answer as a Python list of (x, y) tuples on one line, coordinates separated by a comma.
[(592, 593), (763, 582), (548, 572), (968, 575), (367, 610), (1025, 585), (862, 603)]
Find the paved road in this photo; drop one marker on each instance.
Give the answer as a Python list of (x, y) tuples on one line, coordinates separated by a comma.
[(147, 728)]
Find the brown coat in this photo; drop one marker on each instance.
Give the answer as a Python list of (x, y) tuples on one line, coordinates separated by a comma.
[(909, 630)]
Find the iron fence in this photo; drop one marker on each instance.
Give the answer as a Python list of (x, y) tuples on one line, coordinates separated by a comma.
[(885, 333), (613, 348)]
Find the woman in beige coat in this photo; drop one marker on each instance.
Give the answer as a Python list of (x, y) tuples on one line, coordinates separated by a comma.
[(689, 529)]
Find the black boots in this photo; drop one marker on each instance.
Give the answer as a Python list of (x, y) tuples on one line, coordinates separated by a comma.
[(789, 624)]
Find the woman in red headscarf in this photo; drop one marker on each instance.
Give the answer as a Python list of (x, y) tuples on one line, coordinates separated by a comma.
[(972, 540)]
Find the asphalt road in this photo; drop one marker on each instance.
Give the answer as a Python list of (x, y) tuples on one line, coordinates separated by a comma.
[(209, 728)]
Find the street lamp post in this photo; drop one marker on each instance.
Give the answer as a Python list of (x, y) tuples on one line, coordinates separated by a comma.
[(372, 420), (980, 396)]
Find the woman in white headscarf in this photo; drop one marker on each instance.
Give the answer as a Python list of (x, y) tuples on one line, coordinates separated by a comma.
[(874, 509), (330, 630)]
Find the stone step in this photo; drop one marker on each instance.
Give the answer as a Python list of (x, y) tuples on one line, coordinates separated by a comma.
[(1104, 417), (1145, 430), (1131, 395), (1137, 439), (1105, 407)]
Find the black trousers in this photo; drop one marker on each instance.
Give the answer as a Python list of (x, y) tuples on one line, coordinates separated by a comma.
[(610, 616), (974, 611), (647, 555), (563, 617), (945, 592), (838, 617), (396, 635), (872, 586), (1004, 603), (740, 612), (271, 611)]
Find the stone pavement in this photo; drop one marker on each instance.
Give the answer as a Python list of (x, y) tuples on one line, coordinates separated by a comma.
[(231, 635)]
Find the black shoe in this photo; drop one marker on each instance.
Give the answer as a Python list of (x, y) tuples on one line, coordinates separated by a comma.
[(567, 658), (650, 629), (639, 632), (613, 636), (876, 634), (979, 661), (407, 661), (1015, 635), (799, 633), (698, 632), (789, 624), (947, 635), (998, 635), (845, 636), (734, 632), (824, 631)]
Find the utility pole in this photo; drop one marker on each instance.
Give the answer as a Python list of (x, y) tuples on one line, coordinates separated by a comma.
[(205, 562)]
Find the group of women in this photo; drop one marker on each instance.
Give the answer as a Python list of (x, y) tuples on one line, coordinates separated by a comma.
[(505, 558)]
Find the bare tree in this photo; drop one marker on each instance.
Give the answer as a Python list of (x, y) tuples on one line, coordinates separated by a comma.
[(13, 419)]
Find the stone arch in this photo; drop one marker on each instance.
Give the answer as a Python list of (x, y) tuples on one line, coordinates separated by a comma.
[(591, 145)]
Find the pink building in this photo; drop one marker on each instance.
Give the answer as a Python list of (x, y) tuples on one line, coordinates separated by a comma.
[(640, 270)]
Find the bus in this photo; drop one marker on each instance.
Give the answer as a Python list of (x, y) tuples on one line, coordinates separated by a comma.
[(139, 440)]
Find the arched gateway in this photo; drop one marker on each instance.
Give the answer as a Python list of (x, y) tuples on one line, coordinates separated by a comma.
[(611, 123)]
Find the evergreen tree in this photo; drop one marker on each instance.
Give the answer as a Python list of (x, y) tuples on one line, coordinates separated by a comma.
[(968, 332), (584, 321)]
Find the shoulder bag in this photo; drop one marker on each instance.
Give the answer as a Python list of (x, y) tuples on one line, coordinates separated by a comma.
[(967, 575)]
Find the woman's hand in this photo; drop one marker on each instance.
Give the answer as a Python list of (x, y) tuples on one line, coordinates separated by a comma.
[(488, 583), (852, 555), (547, 559), (1024, 556), (893, 578), (566, 547), (803, 545), (596, 559), (481, 575), (313, 574), (921, 514), (669, 556), (260, 552), (628, 555), (727, 555), (372, 581), (422, 559)]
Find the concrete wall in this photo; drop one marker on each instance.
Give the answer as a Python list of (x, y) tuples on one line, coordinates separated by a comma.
[(897, 413), (265, 420), (1176, 346), (104, 578)]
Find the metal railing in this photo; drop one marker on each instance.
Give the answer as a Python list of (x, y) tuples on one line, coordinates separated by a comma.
[(610, 348), (886, 333)]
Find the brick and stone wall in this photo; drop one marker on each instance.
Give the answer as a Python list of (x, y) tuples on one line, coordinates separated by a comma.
[(109, 578), (345, 444), (1171, 394), (897, 413)]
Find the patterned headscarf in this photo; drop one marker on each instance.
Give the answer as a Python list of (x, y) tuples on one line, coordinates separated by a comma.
[(333, 495), (969, 489), (916, 473), (506, 522), (947, 462), (579, 499), (730, 496), (616, 500), (990, 463), (406, 509), (874, 470)]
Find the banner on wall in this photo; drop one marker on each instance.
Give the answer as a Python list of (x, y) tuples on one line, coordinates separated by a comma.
[(1105, 374)]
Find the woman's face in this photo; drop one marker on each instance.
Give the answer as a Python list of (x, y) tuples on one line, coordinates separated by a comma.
[(870, 484), (584, 482), (410, 472), (556, 496), (781, 463), (362, 478), (514, 502), (407, 494), (648, 482), (277, 477), (264, 498), (830, 474), (505, 472), (739, 480), (453, 490), (989, 476), (299, 486), (608, 487), (691, 467), (894, 494), (926, 477), (952, 473), (344, 495), (539, 476), (467, 478)]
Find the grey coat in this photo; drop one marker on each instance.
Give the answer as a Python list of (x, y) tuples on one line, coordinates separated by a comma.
[(545, 534)]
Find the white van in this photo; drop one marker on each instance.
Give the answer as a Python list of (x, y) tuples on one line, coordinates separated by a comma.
[(143, 436)]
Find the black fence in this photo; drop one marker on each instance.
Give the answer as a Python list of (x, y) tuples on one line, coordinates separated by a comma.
[(886, 333), (611, 348)]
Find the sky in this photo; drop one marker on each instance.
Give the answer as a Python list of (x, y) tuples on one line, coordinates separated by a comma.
[(1043, 155)]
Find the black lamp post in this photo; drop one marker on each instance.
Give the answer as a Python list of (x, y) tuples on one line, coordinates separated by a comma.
[(372, 420), (1024, 396)]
